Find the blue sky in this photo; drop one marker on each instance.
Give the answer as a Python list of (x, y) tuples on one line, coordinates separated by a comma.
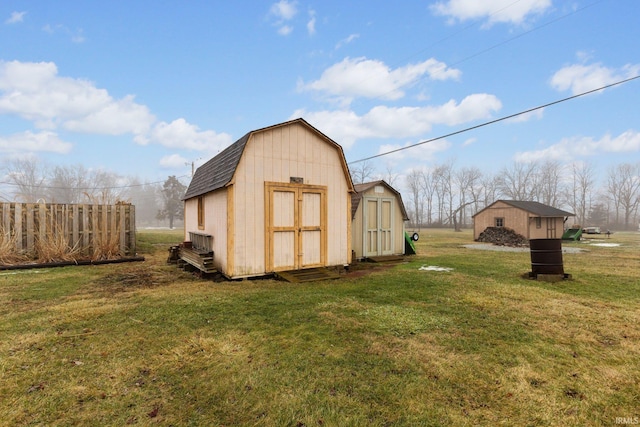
[(144, 88)]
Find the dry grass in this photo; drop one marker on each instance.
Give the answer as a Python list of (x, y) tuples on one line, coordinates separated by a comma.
[(8, 243), (106, 245), (144, 343), (54, 247)]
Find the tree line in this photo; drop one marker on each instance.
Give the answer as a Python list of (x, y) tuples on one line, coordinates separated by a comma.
[(34, 181), (444, 195)]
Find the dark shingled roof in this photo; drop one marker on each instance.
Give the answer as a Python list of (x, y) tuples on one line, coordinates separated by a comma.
[(218, 171), (536, 208), (362, 188)]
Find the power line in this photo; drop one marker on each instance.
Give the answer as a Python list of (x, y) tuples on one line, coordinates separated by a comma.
[(497, 120), (117, 187), (497, 45)]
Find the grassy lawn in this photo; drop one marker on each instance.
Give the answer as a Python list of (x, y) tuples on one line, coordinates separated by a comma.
[(145, 343)]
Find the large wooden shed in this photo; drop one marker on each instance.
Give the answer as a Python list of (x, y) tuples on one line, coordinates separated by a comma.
[(532, 220), (378, 215), (277, 199)]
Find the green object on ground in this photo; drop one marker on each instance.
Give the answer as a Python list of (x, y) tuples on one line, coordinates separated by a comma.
[(572, 234), (409, 246)]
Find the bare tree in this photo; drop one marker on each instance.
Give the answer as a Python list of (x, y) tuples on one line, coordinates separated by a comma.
[(623, 186), (67, 184), (28, 176), (579, 190), (489, 185), (466, 181), (428, 187), (105, 187), (518, 181), (548, 182), (390, 177), (443, 176), (413, 181), (362, 172)]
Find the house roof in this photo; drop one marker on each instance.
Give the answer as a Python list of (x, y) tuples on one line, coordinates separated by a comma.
[(219, 171), (363, 188), (536, 208)]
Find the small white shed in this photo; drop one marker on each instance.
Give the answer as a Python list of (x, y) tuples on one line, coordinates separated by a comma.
[(277, 199), (378, 215)]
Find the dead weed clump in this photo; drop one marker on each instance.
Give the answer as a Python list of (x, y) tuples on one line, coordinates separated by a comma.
[(54, 247), (106, 246), (8, 251)]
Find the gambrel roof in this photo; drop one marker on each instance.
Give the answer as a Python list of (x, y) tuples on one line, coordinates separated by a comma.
[(363, 188), (219, 171), (535, 208)]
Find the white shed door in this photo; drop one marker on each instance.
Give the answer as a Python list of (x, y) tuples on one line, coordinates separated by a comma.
[(296, 228), (378, 226)]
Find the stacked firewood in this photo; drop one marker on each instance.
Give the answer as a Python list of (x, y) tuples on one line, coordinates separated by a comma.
[(502, 236)]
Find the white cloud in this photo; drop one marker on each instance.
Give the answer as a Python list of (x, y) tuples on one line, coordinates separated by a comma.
[(35, 92), (469, 141), (361, 77), (173, 161), (532, 115), (76, 36), (493, 11), (424, 152), (573, 147), (285, 30), (282, 12), (30, 142), (347, 40), (15, 18), (311, 24), (346, 127), (181, 134), (581, 78)]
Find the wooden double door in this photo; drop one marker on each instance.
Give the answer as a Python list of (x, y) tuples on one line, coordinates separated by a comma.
[(296, 226), (378, 226)]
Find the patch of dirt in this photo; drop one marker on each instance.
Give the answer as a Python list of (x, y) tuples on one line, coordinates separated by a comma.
[(360, 269), (132, 278)]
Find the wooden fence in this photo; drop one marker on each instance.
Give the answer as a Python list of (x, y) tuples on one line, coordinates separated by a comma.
[(84, 228)]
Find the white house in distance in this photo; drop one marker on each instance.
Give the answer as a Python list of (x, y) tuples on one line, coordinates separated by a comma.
[(378, 215), (277, 199)]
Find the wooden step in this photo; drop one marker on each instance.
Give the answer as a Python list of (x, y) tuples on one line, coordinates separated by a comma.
[(202, 261), (307, 275)]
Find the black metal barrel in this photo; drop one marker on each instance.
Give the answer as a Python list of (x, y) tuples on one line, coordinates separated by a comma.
[(546, 256)]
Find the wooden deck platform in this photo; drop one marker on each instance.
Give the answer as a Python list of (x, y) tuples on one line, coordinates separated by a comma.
[(201, 260), (307, 275)]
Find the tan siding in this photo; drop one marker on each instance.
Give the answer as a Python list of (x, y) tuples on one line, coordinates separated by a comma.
[(276, 155), (215, 223), (515, 219), (521, 221), (358, 232), (190, 216)]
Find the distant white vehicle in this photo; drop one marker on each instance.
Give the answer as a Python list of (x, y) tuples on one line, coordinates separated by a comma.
[(591, 230)]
